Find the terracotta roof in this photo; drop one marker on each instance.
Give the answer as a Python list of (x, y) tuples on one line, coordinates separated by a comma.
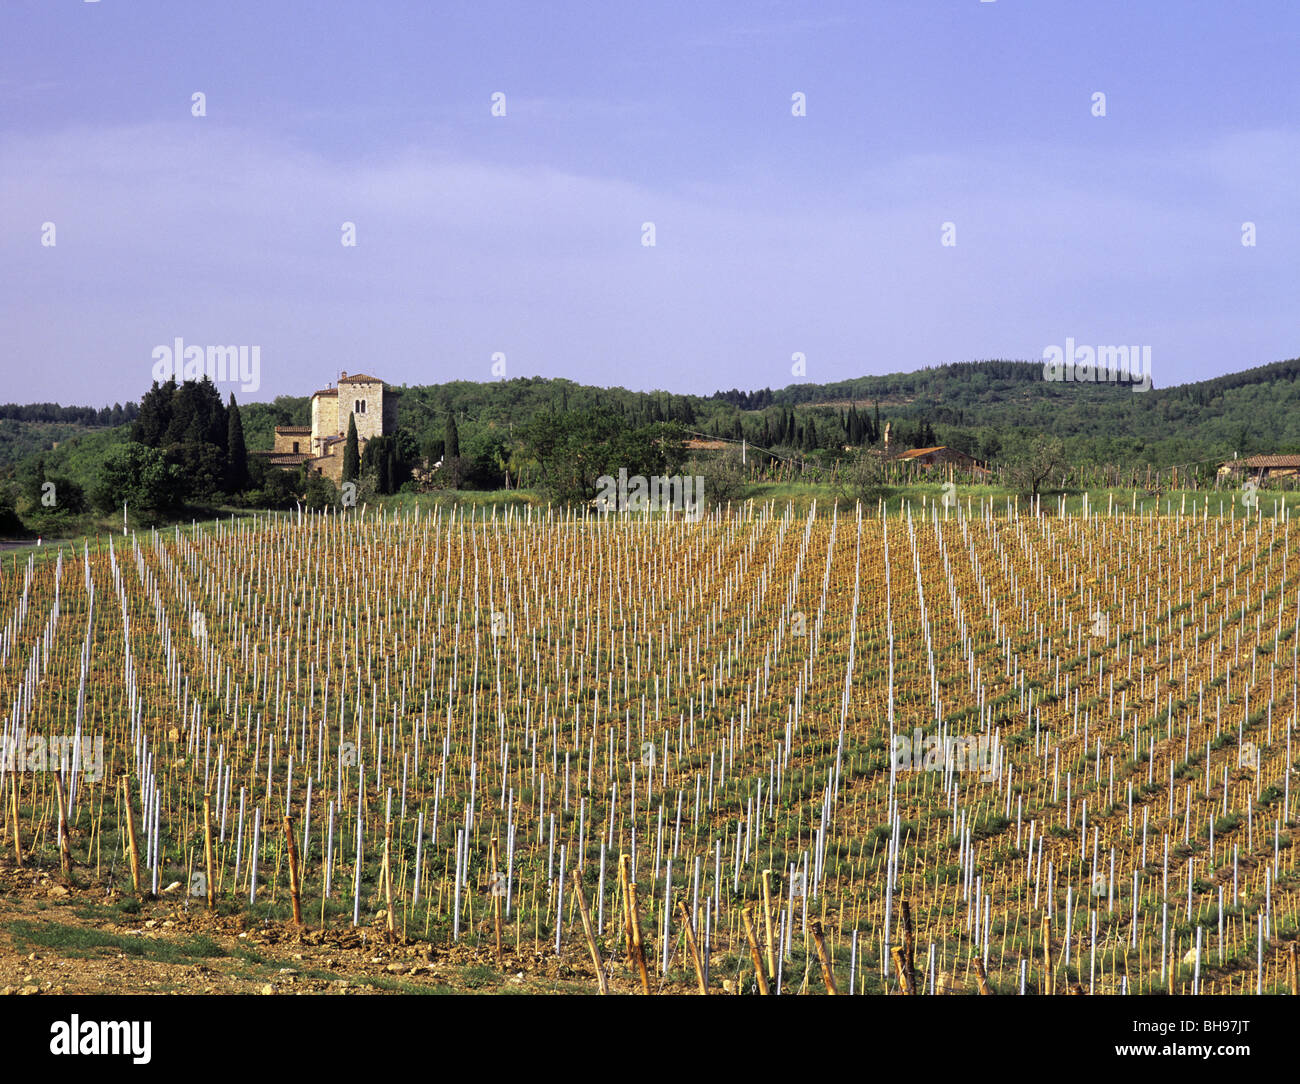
[(288, 459), (293, 429), (922, 451), (325, 391), (359, 378), (1257, 461)]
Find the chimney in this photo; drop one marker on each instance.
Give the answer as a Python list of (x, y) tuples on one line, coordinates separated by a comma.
[(343, 375)]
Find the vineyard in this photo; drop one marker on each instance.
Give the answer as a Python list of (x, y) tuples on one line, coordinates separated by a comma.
[(953, 749)]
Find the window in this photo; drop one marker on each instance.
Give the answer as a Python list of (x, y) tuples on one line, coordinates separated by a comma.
[(295, 447), (358, 406)]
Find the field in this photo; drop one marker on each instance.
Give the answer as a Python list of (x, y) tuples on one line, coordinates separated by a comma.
[(917, 749)]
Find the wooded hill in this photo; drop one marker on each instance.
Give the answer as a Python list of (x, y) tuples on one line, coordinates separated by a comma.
[(992, 410)]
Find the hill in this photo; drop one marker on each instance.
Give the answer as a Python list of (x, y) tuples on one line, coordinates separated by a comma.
[(974, 406)]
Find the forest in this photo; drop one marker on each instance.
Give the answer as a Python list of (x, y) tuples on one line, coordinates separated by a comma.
[(181, 449)]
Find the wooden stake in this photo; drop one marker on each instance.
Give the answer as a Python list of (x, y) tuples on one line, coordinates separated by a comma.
[(767, 920), (908, 950), (748, 915), (690, 944), (130, 835), (601, 981), (496, 908), (1050, 980), (293, 875), (900, 965), (388, 878), (65, 849), (18, 844), (828, 973), (207, 849), (635, 950)]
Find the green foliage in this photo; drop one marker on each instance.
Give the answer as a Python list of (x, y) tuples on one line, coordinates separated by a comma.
[(387, 461), (319, 492), (48, 502), (452, 442), (864, 479), (1034, 461), (189, 424), (260, 419), (574, 450), (236, 450), (140, 476), (10, 525), (492, 435), (724, 477), (351, 458), (275, 489), (483, 459)]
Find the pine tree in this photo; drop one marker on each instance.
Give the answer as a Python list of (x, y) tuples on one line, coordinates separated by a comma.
[(351, 457), (236, 450)]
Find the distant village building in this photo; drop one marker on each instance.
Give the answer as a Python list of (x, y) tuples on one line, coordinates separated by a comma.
[(1263, 467), (940, 456), (320, 445)]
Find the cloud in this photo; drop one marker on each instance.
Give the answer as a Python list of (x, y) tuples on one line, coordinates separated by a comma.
[(229, 236)]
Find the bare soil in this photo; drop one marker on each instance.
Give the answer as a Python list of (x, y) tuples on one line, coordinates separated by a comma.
[(61, 939)]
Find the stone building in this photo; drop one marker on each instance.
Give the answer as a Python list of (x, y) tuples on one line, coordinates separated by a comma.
[(321, 444), (1262, 468)]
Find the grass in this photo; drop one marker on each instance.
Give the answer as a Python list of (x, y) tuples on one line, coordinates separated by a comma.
[(81, 942)]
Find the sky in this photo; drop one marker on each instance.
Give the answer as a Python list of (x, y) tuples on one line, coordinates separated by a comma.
[(505, 166)]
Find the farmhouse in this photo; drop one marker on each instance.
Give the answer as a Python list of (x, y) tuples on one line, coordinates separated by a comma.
[(1263, 467), (320, 445), (940, 456)]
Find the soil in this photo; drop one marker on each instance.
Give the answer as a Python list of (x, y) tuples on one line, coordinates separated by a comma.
[(61, 939)]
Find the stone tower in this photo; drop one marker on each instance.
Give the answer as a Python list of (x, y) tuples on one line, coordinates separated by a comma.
[(363, 397)]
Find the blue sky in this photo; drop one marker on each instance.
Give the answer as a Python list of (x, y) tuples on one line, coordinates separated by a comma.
[(522, 234)]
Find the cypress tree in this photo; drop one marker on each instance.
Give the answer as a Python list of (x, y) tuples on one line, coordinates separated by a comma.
[(236, 450), (392, 469), (453, 438), (351, 457), (810, 435)]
